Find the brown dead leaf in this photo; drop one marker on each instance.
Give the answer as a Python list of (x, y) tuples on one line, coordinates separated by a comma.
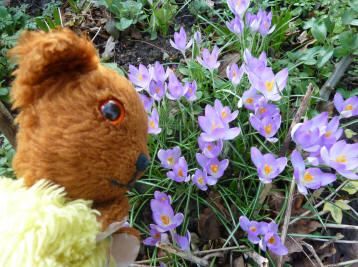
[(303, 226), (303, 37), (239, 262), (308, 44), (208, 225), (226, 61), (216, 199)]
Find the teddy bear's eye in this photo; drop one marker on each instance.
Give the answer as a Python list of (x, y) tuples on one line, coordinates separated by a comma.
[(112, 110)]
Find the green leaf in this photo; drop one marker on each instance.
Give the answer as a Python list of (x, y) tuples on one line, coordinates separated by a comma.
[(50, 23), (124, 24), (335, 211), (348, 16), (342, 204), (349, 133), (114, 66), (4, 91), (319, 32), (340, 52), (354, 22), (354, 4), (349, 40), (351, 187), (41, 24), (73, 6), (325, 57), (57, 16)]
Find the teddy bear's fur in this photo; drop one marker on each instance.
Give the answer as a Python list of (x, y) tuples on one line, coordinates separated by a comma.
[(63, 136)]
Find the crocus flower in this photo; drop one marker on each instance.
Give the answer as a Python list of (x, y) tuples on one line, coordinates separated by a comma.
[(263, 109), (147, 102), (268, 167), (267, 127), (265, 25), (162, 197), (155, 237), (268, 84), (163, 216), (140, 76), (307, 135), (175, 87), (236, 25), (209, 60), (251, 98), (180, 41), (215, 169), (234, 73), (273, 241), (253, 22), (253, 64), (253, 229), (210, 149), (312, 178), (238, 7), (183, 241), (224, 112), (343, 158), (347, 108), (169, 157), (153, 123), (190, 89), (180, 171), (158, 73), (157, 89), (332, 133), (200, 179), (197, 37)]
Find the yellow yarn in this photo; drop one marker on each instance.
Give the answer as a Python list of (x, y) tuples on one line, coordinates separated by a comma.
[(39, 227)]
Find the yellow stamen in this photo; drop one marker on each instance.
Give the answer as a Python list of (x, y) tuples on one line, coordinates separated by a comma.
[(268, 128), (210, 58), (234, 73), (190, 90), (210, 147), (341, 159), (180, 173), (267, 169), (163, 198), (249, 100), (152, 124), (253, 228), (262, 110), (349, 107), (239, 3), (269, 85), (214, 168), (215, 126), (156, 236), (328, 134), (139, 77), (165, 219), (171, 161), (266, 25), (157, 90), (308, 177), (271, 240), (200, 180), (224, 114)]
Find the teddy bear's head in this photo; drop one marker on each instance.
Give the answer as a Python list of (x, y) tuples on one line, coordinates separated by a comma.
[(81, 124)]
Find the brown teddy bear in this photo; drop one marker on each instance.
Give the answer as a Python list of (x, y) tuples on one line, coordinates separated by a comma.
[(81, 125)]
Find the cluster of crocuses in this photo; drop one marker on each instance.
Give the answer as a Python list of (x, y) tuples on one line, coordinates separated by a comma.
[(268, 232), (166, 221), (261, 22)]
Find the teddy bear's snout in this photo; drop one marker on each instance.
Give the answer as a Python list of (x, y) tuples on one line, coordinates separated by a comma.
[(142, 162)]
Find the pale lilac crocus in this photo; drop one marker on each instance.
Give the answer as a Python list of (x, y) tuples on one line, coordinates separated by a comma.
[(312, 178), (236, 25), (265, 109), (139, 77), (253, 64), (147, 102), (268, 167), (210, 149), (251, 98), (234, 73), (190, 89), (200, 179), (157, 72), (209, 60), (157, 89), (269, 84), (273, 241), (343, 158), (175, 87), (180, 41), (169, 157), (180, 171), (162, 197), (215, 169), (155, 237), (253, 22), (197, 37), (253, 229), (183, 241), (238, 7), (331, 133), (347, 108), (265, 24), (153, 123), (267, 127), (224, 112), (163, 216)]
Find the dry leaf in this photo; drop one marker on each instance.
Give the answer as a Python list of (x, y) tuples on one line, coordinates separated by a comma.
[(208, 225), (239, 262), (226, 61)]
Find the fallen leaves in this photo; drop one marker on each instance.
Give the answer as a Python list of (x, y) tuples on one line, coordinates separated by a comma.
[(336, 209)]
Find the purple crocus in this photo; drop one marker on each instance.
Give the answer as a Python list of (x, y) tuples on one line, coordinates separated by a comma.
[(180, 171), (190, 89), (343, 158), (312, 178), (265, 24), (162, 197), (163, 216), (268, 167), (169, 157), (253, 21), (210, 149), (234, 73), (158, 73), (183, 241), (139, 77), (347, 108), (253, 229), (251, 98), (273, 241), (236, 25), (180, 41), (157, 89), (266, 110), (147, 102), (238, 7), (200, 179), (253, 64), (224, 112), (215, 169), (332, 133), (209, 60), (197, 37), (269, 84), (175, 87), (267, 127), (155, 237), (153, 123)]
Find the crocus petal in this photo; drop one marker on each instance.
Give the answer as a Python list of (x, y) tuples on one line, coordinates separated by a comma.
[(256, 156), (244, 223)]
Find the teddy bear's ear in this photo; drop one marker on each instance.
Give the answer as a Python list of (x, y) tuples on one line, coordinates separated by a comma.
[(46, 55)]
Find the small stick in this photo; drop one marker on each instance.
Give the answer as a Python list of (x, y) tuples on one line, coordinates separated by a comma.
[(340, 226), (310, 248), (94, 37), (297, 118), (335, 240), (339, 236), (344, 263), (261, 261), (182, 254), (218, 250)]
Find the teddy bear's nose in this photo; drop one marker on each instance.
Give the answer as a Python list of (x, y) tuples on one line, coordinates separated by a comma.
[(142, 162)]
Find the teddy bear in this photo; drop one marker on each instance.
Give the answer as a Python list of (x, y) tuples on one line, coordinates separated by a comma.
[(81, 144)]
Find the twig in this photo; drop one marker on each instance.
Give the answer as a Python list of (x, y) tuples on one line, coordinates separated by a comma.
[(160, 48), (339, 236), (261, 261), (311, 249), (321, 202), (94, 37), (344, 263), (216, 254), (182, 254), (7, 126), (335, 240), (340, 226), (218, 250), (297, 118)]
